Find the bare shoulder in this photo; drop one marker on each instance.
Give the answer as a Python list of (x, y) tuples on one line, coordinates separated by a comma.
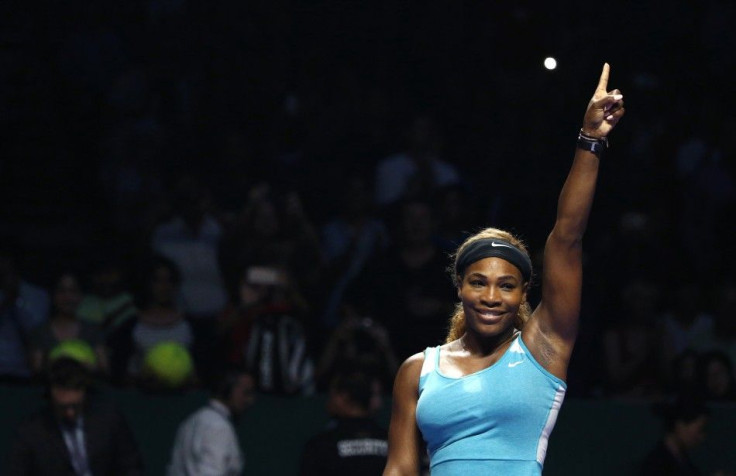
[(409, 372), (412, 364)]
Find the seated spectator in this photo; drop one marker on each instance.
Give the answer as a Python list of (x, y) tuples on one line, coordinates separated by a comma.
[(75, 433), (273, 229), (159, 320), (686, 324), (107, 304), (14, 338), (456, 216), (191, 240), (716, 376), (683, 374), (723, 333), (349, 241), (353, 443), (418, 171), (631, 344), (206, 442), (684, 429), (407, 286), (358, 341), (266, 334), (33, 300), (17, 319), (63, 325)]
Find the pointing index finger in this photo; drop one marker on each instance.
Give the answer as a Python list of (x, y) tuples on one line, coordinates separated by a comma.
[(603, 81)]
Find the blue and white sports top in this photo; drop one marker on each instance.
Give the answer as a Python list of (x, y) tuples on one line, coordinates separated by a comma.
[(494, 421)]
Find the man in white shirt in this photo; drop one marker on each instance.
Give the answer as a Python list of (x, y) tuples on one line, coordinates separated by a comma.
[(206, 443), (418, 171)]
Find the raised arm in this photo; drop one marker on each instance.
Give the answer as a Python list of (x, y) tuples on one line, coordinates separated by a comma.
[(554, 323), (403, 434)]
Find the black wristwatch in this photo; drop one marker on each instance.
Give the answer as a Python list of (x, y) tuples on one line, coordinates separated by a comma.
[(592, 144)]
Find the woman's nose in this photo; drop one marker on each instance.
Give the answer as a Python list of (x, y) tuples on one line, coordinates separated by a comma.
[(490, 295)]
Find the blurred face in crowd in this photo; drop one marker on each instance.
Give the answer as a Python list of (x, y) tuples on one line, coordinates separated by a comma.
[(163, 286), (717, 378), (67, 295), (417, 223), (67, 403), (242, 395), (691, 434)]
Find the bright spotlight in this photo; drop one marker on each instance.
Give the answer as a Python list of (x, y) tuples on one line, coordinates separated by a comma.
[(550, 63)]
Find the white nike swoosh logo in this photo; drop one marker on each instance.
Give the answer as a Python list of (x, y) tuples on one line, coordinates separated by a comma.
[(494, 244), (514, 364)]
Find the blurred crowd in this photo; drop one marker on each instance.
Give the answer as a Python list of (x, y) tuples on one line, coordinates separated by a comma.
[(277, 186), (264, 194)]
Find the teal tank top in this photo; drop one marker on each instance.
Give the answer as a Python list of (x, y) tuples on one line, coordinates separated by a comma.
[(496, 421)]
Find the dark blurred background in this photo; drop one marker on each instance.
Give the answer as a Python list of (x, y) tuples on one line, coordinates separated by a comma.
[(233, 136)]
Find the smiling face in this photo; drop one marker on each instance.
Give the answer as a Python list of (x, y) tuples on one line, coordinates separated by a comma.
[(491, 292)]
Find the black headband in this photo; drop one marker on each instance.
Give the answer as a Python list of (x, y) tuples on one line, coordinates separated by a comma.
[(493, 248)]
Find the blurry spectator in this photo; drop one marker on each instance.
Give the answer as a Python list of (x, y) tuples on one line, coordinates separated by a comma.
[(20, 305), (716, 376), (273, 230), (708, 188), (407, 286), (349, 241), (418, 171), (191, 240), (131, 166), (630, 344), (32, 299), (64, 325), (206, 442), (75, 434), (684, 429), (14, 343), (358, 341), (107, 304), (723, 334), (267, 336), (686, 322), (456, 217), (683, 373), (353, 443), (159, 320), (234, 172)]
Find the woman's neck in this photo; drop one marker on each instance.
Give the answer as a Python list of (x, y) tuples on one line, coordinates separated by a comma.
[(486, 345)]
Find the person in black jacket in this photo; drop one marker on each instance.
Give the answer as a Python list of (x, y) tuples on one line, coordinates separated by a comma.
[(684, 421), (353, 443), (74, 435)]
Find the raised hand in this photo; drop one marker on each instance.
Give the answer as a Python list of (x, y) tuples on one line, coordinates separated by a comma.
[(605, 108)]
